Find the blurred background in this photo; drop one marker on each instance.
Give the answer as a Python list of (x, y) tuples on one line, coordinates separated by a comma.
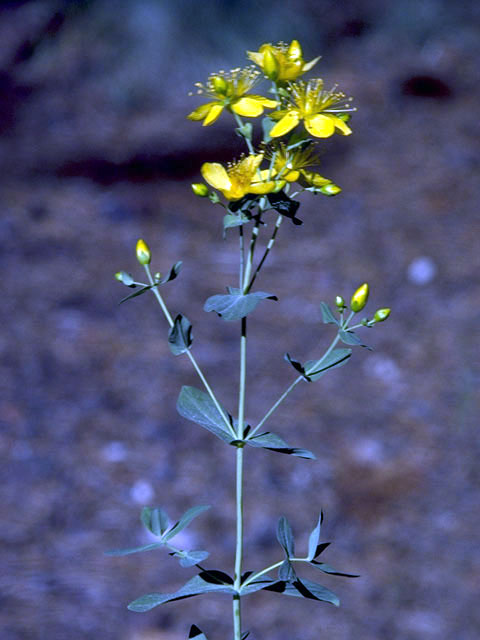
[(95, 152)]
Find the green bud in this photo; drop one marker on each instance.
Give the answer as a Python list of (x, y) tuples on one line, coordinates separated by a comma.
[(213, 197), (340, 303), (157, 276), (143, 252), (330, 189), (119, 276), (270, 65), (219, 84), (359, 298), (381, 314), (200, 189)]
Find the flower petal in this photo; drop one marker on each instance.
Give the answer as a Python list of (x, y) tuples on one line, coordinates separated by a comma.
[(286, 124), (213, 114), (320, 126), (256, 56), (340, 124), (261, 188), (309, 65), (201, 112), (266, 102), (248, 106), (216, 175)]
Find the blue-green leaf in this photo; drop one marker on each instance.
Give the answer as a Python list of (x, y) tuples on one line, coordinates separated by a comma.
[(127, 552), (349, 337), (327, 314), (285, 537), (138, 293), (235, 304), (190, 558), (256, 585), (172, 274), (295, 364), (196, 633), (267, 126), (326, 568), (315, 369), (314, 538), (284, 205), (286, 572), (201, 583), (155, 520), (180, 335), (305, 589), (184, 521), (233, 220), (197, 406), (273, 442), (126, 279)]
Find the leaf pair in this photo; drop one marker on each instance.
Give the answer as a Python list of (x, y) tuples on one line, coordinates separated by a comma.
[(236, 305), (127, 280), (314, 369)]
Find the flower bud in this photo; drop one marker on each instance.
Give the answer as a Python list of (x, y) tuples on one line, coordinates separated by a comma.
[(200, 189), (359, 298), (143, 252), (219, 84), (381, 314), (330, 189), (119, 276), (340, 303), (270, 65), (294, 50)]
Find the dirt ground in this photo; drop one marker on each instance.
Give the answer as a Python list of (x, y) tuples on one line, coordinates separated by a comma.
[(95, 152)]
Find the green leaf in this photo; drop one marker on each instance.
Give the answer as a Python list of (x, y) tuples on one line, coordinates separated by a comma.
[(126, 279), (201, 583), (314, 538), (327, 314), (196, 633), (315, 369), (233, 220), (127, 552), (172, 274), (267, 126), (184, 521), (197, 406), (245, 131), (273, 442), (235, 304), (140, 292), (286, 572), (326, 568), (190, 558), (285, 537), (245, 635), (256, 585), (321, 548), (349, 337), (180, 335), (295, 364), (155, 520), (305, 589), (284, 205)]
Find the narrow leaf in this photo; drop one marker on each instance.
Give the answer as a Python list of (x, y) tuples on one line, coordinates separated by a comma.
[(190, 558), (304, 589), (285, 537), (138, 293), (327, 314), (126, 279), (273, 442), (321, 548), (235, 304), (197, 406), (233, 220), (256, 585), (349, 337), (315, 369), (267, 126), (193, 587), (155, 520), (284, 205), (286, 572), (180, 335), (127, 552), (295, 364), (314, 538), (172, 274), (184, 521), (326, 568)]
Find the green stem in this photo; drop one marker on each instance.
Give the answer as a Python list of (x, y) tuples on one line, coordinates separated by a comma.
[(251, 251), (269, 247), (191, 357), (276, 565), (239, 121)]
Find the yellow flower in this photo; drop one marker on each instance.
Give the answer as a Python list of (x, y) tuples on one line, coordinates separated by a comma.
[(228, 91), (288, 164), (308, 101), (240, 178), (281, 62)]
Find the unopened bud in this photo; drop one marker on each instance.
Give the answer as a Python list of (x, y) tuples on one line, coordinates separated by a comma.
[(294, 50), (200, 189), (119, 276), (340, 303), (219, 84), (143, 252), (270, 65), (381, 314), (359, 298), (330, 189)]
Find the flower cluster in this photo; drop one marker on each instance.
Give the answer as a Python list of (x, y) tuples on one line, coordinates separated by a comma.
[(298, 114)]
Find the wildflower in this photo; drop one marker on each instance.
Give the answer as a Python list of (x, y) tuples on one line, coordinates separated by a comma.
[(143, 252), (308, 101), (289, 165), (281, 62), (359, 298), (228, 91), (240, 178)]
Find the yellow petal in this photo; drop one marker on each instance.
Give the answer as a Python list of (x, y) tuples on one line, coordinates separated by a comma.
[(256, 56), (294, 50), (251, 163), (261, 188), (249, 107), (216, 175), (213, 114), (291, 176), (319, 126), (309, 65), (286, 124), (340, 124), (266, 102), (201, 112)]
